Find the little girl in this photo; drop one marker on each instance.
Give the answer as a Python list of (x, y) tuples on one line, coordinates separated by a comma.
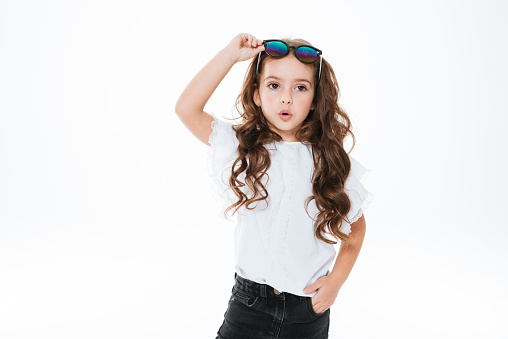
[(286, 175)]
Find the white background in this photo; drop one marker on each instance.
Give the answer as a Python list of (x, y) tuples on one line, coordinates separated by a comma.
[(108, 228)]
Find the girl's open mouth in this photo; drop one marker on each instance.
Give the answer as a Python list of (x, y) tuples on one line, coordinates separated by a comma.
[(285, 115)]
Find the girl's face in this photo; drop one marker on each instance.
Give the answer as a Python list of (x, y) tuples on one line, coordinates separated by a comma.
[(285, 84)]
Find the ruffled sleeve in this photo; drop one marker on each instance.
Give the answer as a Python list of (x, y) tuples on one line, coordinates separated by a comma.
[(360, 197), (221, 155)]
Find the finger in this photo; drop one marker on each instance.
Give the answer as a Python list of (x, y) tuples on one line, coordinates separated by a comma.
[(245, 38), (261, 46)]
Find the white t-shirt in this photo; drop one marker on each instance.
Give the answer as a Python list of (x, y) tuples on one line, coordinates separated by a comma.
[(275, 242)]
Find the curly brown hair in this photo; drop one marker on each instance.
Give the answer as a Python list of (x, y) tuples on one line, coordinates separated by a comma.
[(324, 129)]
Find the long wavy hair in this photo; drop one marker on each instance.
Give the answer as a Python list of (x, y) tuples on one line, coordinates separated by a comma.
[(324, 129)]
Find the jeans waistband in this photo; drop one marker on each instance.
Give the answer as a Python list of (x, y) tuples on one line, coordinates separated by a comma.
[(263, 290)]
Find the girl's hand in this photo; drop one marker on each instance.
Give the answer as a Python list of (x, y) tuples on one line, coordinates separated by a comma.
[(244, 46), (327, 291)]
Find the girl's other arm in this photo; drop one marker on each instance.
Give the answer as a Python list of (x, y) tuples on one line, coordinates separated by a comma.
[(348, 252), (191, 103), (328, 286)]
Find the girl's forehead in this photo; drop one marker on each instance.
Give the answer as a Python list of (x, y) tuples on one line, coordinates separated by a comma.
[(286, 68)]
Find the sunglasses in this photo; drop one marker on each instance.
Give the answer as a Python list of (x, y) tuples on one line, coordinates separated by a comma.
[(305, 53)]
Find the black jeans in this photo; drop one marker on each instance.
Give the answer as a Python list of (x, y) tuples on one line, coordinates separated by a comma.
[(260, 311)]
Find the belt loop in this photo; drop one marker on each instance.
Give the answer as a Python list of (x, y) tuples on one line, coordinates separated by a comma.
[(263, 293), (263, 290)]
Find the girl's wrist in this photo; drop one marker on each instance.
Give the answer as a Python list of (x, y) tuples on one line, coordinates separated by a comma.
[(337, 279), (230, 55)]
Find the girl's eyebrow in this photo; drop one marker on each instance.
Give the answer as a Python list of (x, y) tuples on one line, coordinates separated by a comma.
[(296, 80)]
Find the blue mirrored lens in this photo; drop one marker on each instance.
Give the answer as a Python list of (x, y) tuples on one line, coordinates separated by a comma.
[(276, 48), (307, 54)]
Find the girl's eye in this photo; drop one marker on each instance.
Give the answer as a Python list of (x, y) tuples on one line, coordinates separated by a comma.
[(301, 88)]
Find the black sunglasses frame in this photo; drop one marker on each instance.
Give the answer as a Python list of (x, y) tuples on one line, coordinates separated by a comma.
[(319, 52)]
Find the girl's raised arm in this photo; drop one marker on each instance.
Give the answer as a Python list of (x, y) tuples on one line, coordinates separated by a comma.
[(193, 99)]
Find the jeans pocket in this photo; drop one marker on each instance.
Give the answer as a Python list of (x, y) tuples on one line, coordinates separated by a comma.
[(244, 298), (311, 308)]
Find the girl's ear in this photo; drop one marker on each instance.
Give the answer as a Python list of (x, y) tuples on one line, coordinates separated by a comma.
[(255, 95)]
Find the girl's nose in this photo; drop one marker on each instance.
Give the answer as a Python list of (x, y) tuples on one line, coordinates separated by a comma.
[(285, 98)]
